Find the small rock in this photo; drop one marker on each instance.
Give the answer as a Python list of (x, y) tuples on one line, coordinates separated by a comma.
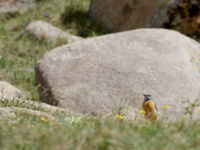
[(44, 31), (9, 91)]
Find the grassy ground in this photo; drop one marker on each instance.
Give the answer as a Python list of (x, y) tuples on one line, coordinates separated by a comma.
[(26, 131), (18, 54), (58, 130)]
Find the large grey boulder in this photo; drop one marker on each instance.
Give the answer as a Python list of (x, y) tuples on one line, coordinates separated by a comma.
[(120, 15), (117, 69), (45, 31), (9, 91)]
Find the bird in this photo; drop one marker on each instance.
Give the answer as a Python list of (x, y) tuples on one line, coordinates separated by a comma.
[(150, 109)]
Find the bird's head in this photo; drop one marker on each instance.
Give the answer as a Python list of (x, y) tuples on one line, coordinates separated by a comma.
[(147, 97)]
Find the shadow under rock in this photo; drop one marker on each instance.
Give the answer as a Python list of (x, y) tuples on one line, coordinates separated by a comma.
[(82, 23)]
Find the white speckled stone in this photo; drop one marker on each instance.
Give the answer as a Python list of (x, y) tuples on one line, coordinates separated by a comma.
[(101, 73), (9, 91)]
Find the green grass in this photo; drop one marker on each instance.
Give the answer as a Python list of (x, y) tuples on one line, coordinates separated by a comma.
[(30, 133), (19, 53), (27, 131), (75, 17)]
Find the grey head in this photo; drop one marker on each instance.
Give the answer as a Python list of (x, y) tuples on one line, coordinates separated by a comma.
[(147, 97)]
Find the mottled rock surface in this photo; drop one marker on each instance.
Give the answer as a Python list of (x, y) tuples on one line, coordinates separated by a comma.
[(45, 31), (117, 69), (9, 91), (180, 15), (120, 15)]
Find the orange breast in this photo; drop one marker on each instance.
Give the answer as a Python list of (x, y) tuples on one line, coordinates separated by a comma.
[(151, 111)]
